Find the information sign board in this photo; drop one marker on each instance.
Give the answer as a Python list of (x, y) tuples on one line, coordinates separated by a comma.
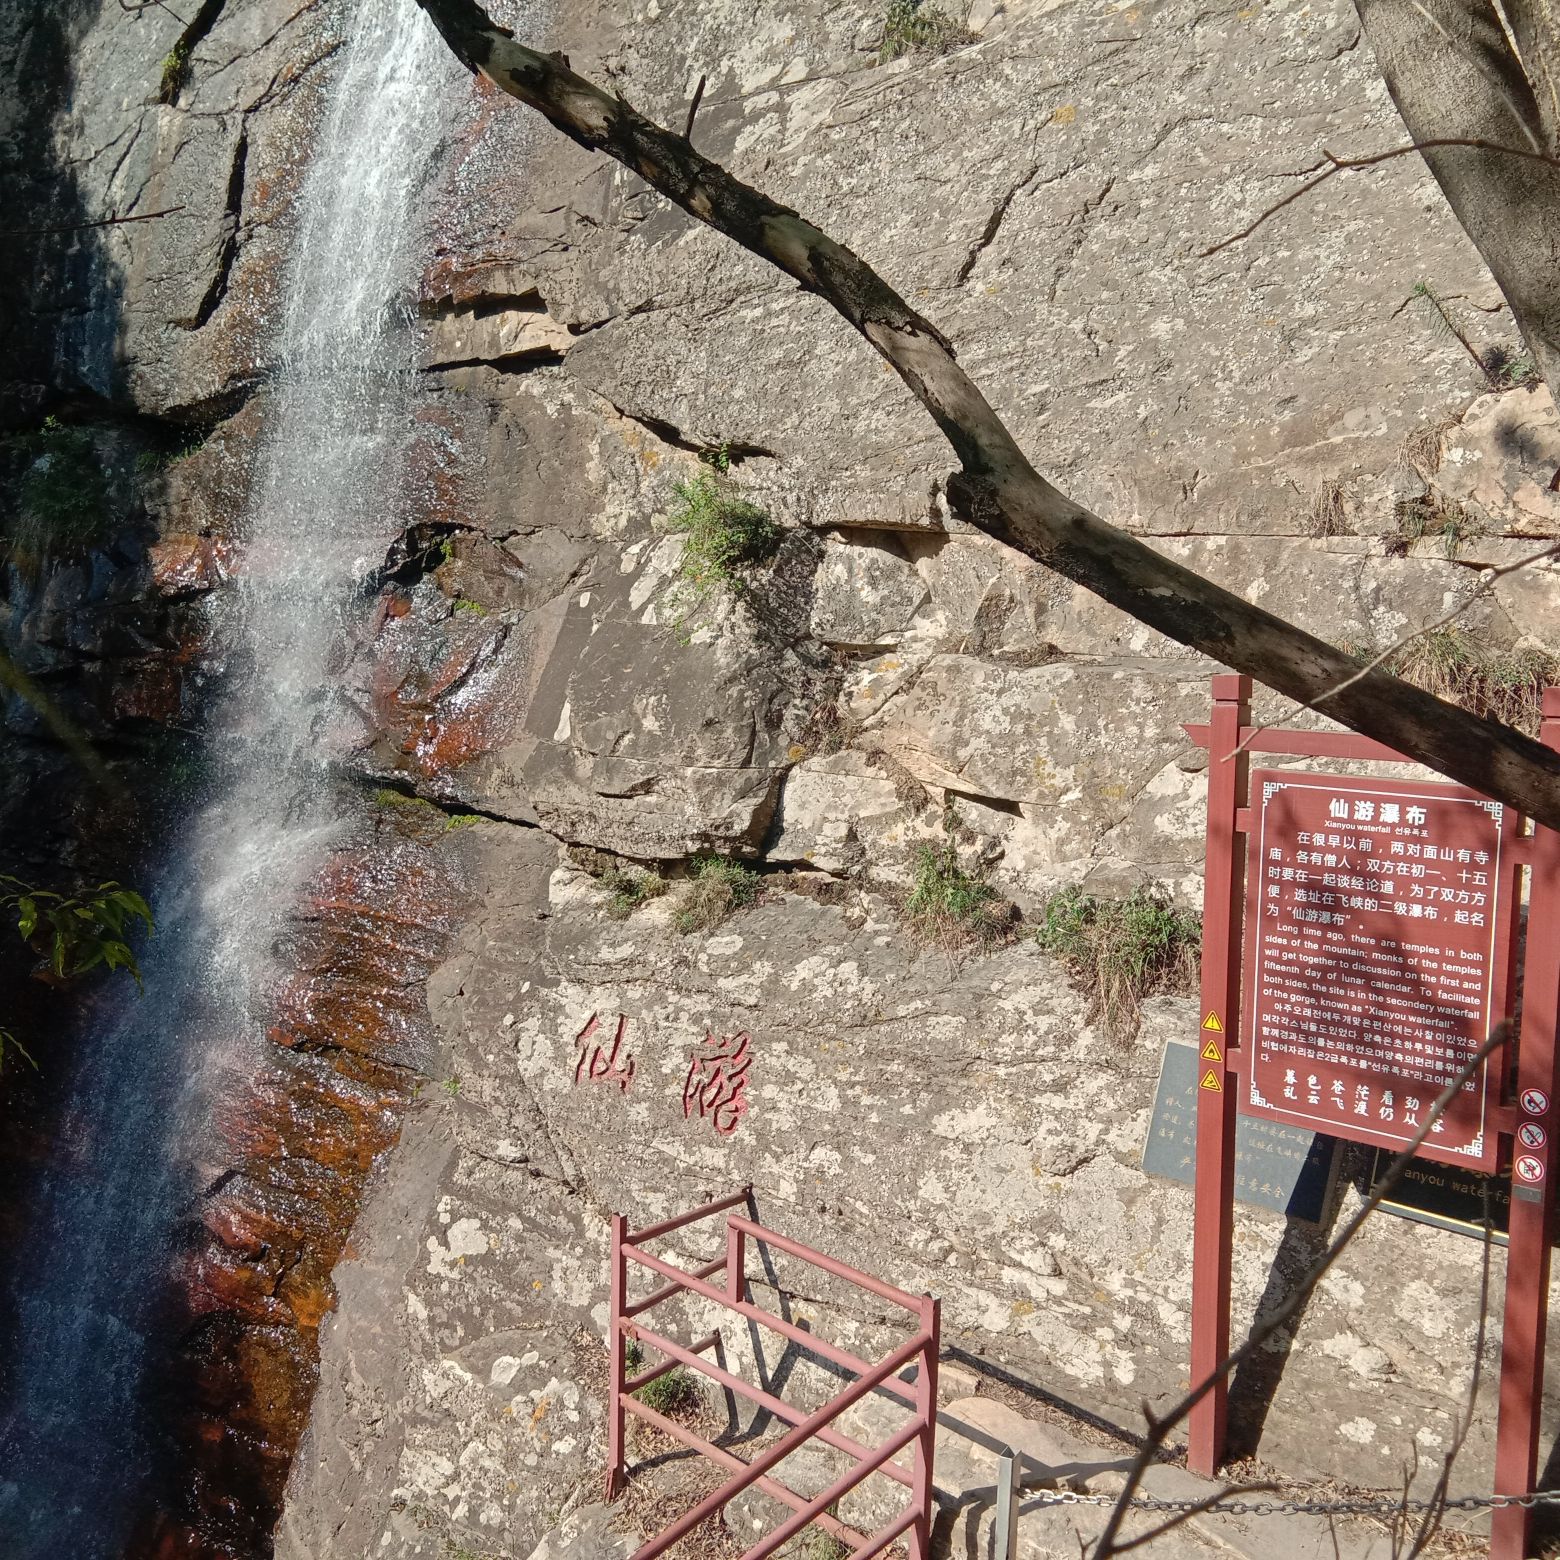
[(1280, 1167), (1375, 927), (1378, 924)]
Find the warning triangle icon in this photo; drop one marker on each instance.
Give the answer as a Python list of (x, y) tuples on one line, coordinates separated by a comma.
[(1211, 1052), (1213, 1022), (1210, 1080)]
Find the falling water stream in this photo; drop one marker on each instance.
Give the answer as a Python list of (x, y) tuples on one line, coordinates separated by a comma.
[(73, 1444)]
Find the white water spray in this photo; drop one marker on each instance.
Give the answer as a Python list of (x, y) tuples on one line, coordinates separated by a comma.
[(73, 1449)]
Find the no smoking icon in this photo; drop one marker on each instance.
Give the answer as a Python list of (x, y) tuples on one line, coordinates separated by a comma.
[(1535, 1102), (1531, 1135), (1530, 1169)]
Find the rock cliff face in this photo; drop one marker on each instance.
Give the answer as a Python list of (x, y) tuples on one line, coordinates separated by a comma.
[(1283, 415)]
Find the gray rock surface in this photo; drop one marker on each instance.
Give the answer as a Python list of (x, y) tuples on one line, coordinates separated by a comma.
[(1263, 414), (950, 1125)]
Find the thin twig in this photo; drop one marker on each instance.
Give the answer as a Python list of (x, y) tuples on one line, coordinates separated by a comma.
[(81, 227), (1351, 164), (1160, 1426), (1486, 583), (693, 107), (135, 7)]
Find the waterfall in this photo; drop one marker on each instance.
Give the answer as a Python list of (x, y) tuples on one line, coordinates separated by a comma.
[(73, 1445)]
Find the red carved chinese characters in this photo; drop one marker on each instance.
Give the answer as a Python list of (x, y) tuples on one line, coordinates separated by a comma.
[(717, 1081), (598, 1065)]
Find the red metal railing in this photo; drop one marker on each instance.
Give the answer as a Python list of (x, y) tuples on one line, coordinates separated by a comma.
[(920, 1395)]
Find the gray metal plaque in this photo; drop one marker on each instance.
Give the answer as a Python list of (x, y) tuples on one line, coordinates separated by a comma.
[(1450, 1197), (1280, 1167)]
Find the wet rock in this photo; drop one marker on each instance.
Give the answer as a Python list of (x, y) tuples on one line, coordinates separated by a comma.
[(301, 1136), (204, 485), (190, 565)]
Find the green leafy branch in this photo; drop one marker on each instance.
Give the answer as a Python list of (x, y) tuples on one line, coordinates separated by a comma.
[(75, 933)]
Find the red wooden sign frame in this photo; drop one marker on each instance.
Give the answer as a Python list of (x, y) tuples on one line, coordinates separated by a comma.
[(1225, 1068)]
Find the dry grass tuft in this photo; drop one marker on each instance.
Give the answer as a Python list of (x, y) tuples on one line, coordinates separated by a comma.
[(1425, 448), (1506, 685), (951, 908), (717, 886), (1119, 951), (1328, 515)]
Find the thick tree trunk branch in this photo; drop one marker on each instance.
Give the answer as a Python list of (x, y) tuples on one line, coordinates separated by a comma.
[(997, 488), (1454, 75)]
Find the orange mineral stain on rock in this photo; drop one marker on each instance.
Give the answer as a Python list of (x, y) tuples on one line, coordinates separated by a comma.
[(349, 1028)]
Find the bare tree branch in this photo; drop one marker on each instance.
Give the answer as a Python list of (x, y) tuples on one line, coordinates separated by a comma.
[(1335, 165), (81, 227), (135, 7), (997, 488), (693, 108)]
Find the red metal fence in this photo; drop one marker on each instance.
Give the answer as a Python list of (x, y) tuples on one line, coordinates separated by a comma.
[(913, 1522)]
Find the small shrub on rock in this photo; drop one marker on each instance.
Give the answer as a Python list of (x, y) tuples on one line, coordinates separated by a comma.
[(670, 1395), (716, 888), (1511, 368), (628, 888), (175, 72), (919, 27), (1120, 951), (951, 907), (64, 497), (674, 1393), (74, 934), (726, 536)]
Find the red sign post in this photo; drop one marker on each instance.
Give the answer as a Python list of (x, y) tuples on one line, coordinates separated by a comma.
[(1378, 924)]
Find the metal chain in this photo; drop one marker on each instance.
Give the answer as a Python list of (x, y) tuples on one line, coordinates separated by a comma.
[(1310, 1508)]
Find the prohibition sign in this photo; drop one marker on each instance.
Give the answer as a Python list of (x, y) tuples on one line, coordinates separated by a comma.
[(1535, 1102), (1531, 1135), (1530, 1168)]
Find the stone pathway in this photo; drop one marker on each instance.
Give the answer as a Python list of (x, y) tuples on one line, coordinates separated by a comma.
[(971, 1432)]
